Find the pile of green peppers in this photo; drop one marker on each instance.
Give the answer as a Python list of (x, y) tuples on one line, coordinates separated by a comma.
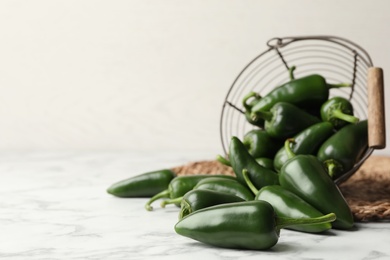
[(284, 171)]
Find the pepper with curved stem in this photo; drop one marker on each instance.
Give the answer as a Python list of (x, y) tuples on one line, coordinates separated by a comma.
[(243, 225), (339, 112)]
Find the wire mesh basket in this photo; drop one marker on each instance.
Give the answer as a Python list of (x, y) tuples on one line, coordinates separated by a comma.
[(336, 59)]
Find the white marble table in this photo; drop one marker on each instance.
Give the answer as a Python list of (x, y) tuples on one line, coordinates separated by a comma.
[(54, 206)]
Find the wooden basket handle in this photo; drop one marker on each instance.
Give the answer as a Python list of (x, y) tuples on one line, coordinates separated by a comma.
[(376, 109)]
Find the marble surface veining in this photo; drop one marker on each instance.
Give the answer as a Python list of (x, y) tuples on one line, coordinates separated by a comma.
[(54, 206)]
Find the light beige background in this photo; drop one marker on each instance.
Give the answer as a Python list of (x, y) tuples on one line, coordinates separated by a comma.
[(149, 75)]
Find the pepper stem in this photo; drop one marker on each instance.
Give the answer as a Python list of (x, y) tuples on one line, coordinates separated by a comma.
[(285, 222), (185, 209), (287, 147), (163, 194), (248, 181), (339, 85), (171, 201), (338, 113), (247, 97), (266, 115), (223, 160), (333, 168), (291, 72)]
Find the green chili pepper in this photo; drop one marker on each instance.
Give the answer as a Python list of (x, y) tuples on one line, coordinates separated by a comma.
[(338, 111), (248, 108), (198, 199), (243, 225), (260, 144), (344, 148), (266, 163), (285, 120), (307, 141), (306, 92), (241, 159), (180, 185), (143, 185), (229, 186), (305, 176)]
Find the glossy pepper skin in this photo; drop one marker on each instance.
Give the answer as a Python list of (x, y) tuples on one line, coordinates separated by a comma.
[(284, 120), (306, 92), (179, 186), (260, 144), (242, 225), (305, 176), (308, 141), (338, 111), (198, 199), (241, 159), (143, 185), (225, 185), (266, 163), (344, 148), (289, 205)]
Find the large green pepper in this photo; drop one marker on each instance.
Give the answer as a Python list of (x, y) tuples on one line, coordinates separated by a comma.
[(179, 186), (307, 92), (143, 185), (305, 176), (198, 199), (307, 141), (260, 144), (241, 159), (242, 225), (338, 111), (229, 186), (343, 149), (285, 120)]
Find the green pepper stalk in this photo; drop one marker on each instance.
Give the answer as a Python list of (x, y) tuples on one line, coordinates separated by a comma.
[(142, 185), (198, 199), (308, 141), (223, 160), (179, 186), (344, 148), (285, 120), (338, 111), (307, 92), (289, 205), (254, 97), (305, 176), (242, 225), (229, 186), (241, 159), (260, 144)]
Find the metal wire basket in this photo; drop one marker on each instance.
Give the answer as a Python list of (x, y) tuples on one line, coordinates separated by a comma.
[(335, 58)]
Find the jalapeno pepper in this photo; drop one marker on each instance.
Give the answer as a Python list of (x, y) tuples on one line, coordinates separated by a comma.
[(344, 148), (241, 159), (285, 120), (305, 176), (306, 92), (143, 185), (254, 98), (338, 111), (266, 163), (243, 225), (180, 185), (260, 144), (199, 198), (307, 141)]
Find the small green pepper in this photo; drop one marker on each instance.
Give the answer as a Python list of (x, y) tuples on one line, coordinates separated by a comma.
[(180, 185), (241, 159), (285, 120), (307, 141), (260, 144), (242, 225), (338, 111), (143, 185), (307, 92), (198, 199), (254, 98), (229, 186), (344, 148), (305, 176)]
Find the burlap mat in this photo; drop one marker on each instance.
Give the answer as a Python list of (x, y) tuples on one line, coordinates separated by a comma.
[(367, 191)]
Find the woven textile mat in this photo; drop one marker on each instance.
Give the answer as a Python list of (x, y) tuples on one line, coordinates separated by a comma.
[(367, 191)]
